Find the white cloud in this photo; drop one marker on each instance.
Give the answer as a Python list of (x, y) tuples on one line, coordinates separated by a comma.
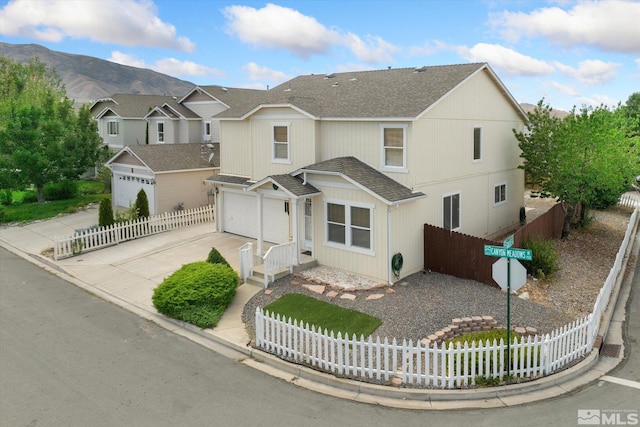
[(508, 60), (122, 22), (258, 73), (169, 66), (428, 48), (591, 72), (637, 61), (563, 88), (597, 100), (610, 25), (278, 27)]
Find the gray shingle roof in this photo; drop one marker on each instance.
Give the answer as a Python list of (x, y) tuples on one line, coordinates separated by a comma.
[(392, 93), (228, 179), (172, 157), (366, 177), (294, 185), (129, 105)]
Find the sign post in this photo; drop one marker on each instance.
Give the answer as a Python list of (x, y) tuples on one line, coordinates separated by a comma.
[(509, 253)]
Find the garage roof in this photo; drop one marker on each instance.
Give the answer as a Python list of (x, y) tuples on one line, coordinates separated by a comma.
[(173, 157)]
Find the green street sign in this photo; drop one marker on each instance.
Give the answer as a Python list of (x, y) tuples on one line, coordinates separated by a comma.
[(513, 253), (508, 242)]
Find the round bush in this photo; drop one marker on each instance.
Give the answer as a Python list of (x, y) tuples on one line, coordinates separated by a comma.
[(545, 259), (215, 257), (197, 293), (62, 190)]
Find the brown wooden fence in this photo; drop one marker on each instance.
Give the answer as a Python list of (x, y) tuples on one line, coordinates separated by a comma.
[(461, 255)]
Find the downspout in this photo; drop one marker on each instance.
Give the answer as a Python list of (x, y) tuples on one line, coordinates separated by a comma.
[(389, 273)]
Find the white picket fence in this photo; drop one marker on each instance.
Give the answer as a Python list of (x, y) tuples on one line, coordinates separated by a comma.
[(629, 201), (277, 258), (378, 360), (100, 237)]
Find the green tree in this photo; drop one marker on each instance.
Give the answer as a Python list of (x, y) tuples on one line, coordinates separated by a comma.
[(142, 204), (580, 158), (42, 139), (632, 112)]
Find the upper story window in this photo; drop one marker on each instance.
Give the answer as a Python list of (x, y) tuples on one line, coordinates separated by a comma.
[(500, 194), (207, 131), (349, 225), (112, 128), (477, 143), (394, 148), (280, 145), (160, 131), (451, 212)]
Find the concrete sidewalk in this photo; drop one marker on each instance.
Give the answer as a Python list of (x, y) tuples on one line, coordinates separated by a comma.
[(126, 275)]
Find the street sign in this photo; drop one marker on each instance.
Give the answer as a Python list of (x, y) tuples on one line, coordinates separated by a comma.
[(502, 252), (508, 242), (518, 276)]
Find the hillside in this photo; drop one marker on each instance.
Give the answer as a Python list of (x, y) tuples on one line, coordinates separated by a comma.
[(558, 113), (87, 78)]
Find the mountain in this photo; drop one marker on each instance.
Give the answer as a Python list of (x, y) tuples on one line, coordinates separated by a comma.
[(87, 78), (528, 108)]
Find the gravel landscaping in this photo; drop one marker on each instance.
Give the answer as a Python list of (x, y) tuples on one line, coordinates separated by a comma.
[(426, 302)]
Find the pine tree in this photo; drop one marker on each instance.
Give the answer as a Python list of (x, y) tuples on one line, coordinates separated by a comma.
[(105, 214), (142, 204)]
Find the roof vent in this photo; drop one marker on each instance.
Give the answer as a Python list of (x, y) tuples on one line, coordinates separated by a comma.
[(353, 79), (329, 76), (335, 84), (224, 89), (210, 158), (420, 69)]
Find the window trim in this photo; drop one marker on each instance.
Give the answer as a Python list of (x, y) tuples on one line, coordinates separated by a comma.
[(348, 246), (481, 148), (383, 148), (160, 135), (206, 126), (445, 196), (274, 159), (117, 126), (500, 202)]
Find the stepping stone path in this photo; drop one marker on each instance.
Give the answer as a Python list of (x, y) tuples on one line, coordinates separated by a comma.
[(334, 283)]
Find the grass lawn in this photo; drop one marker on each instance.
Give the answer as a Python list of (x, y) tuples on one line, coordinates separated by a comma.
[(324, 315), (20, 211)]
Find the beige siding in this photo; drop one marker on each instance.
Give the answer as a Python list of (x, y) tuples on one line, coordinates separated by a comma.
[(246, 146), (133, 131), (182, 187), (127, 159), (371, 265), (235, 148)]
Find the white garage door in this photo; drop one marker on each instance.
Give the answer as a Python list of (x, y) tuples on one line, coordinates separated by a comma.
[(240, 217), (240, 214), (126, 188), (276, 220)]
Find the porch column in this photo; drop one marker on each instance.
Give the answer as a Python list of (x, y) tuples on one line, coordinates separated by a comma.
[(259, 210), (296, 230)]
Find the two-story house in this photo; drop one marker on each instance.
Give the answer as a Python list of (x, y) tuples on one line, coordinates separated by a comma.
[(121, 117), (350, 166)]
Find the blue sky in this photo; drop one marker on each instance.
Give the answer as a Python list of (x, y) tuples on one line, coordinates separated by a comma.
[(569, 52)]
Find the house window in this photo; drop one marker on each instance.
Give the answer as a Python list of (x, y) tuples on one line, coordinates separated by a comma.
[(394, 147), (160, 131), (477, 143), (349, 225), (451, 211), (281, 142), (207, 131), (500, 194), (112, 128)]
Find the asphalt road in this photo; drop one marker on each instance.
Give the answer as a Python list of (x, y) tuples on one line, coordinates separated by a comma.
[(68, 358)]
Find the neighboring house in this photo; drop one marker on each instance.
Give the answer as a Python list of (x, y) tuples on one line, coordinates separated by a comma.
[(121, 117), (191, 119), (350, 166), (172, 175)]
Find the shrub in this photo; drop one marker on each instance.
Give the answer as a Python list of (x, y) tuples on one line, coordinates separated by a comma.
[(104, 176), (197, 293), (216, 257), (6, 197), (142, 204), (482, 337), (105, 213), (545, 258), (29, 197), (62, 190), (2, 216)]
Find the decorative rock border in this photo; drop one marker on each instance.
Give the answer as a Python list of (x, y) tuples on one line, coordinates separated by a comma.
[(466, 325)]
